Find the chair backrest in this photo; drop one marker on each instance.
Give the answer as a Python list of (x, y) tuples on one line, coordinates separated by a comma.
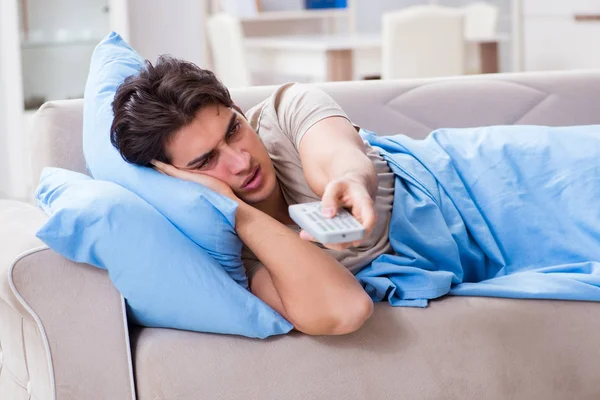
[(423, 41), (366, 14), (226, 40), (481, 20)]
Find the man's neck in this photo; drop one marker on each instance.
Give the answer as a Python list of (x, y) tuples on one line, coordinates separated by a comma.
[(276, 206)]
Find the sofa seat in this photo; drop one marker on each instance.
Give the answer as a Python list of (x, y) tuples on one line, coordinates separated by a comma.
[(456, 348)]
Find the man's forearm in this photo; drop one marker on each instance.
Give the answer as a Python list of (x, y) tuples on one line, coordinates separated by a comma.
[(354, 165), (312, 285), (332, 149)]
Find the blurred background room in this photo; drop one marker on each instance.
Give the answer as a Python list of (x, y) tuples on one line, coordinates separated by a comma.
[(45, 46)]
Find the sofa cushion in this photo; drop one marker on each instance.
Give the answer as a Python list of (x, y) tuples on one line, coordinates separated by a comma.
[(56, 137), (458, 348)]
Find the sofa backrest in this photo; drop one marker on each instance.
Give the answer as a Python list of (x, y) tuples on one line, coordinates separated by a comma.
[(411, 107)]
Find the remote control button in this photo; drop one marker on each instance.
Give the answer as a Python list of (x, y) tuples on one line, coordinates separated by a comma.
[(323, 227)]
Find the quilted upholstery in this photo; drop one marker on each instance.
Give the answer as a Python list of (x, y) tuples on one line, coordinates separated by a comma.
[(416, 107), (411, 107)]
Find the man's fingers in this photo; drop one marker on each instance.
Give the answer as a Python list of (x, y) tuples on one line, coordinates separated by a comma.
[(162, 167), (365, 213), (169, 169), (157, 165), (306, 236), (368, 215), (331, 197), (333, 246), (338, 246)]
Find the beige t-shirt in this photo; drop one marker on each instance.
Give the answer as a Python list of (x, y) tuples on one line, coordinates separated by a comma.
[(281, 121)]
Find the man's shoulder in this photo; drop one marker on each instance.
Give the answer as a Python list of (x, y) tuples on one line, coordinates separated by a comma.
[(269, 108)]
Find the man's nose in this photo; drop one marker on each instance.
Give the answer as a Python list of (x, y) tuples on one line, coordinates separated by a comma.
[(238, 161)]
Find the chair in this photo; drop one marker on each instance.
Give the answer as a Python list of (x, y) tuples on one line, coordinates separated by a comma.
[(423, 41), (226, 40), (366, 14), (481, 21)]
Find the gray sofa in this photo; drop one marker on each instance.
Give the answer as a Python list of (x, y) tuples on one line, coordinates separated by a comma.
[(64, 332)]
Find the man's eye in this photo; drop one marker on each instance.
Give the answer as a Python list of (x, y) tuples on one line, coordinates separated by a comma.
[(235, 129), (205, 163)]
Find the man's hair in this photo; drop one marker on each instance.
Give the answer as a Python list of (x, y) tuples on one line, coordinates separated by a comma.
[(150, 107)]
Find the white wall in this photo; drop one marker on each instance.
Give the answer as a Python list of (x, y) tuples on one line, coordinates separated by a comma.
[(58, 46), (14, 166), (119, 17), (553, 39), (157, 27), (63, 34), (56, 72)]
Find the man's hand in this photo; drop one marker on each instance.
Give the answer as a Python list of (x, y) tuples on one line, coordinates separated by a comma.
[(202, 179), (351, 192)]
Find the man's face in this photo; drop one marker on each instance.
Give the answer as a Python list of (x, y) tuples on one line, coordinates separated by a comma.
[(220, 143)]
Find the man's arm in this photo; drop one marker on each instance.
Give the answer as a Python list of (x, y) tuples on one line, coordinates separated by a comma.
[(305, 284), (332, 149), (337, 169)]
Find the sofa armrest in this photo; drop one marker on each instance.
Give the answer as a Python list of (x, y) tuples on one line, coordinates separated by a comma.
[(63, 328)]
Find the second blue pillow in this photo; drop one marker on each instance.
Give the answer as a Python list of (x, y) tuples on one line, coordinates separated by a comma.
[(167, 280)]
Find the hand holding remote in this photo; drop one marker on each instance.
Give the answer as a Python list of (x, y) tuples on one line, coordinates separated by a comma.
[(349, 192), (335, 231)]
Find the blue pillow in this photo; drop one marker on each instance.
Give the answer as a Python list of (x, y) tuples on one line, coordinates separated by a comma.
[(204, 216), (167, 280)]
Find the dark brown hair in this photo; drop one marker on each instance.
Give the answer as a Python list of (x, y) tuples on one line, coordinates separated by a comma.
[(150, 107)]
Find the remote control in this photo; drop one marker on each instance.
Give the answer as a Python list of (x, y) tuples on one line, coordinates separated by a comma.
[(340, 229)]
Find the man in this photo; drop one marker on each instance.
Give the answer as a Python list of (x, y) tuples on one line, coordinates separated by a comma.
[(297, 146)]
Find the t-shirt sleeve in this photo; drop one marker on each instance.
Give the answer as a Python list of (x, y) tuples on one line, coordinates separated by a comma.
[(300, 106)]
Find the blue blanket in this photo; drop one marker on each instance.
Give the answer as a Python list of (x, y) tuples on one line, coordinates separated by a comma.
[(506, 211)]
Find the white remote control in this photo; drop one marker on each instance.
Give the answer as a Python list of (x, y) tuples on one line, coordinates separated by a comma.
[(340, 229)]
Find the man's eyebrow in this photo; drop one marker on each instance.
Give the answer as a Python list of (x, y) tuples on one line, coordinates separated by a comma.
[(231, 123), (198, 160), (201, 158)]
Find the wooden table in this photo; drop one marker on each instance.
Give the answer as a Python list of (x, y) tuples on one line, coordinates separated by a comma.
[(300, 53)]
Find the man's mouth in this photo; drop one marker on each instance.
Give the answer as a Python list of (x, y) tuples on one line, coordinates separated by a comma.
[(254, 179)]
